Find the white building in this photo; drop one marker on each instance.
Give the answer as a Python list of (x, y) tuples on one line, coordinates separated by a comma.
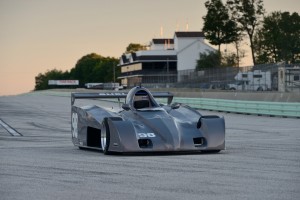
[(163, 60)]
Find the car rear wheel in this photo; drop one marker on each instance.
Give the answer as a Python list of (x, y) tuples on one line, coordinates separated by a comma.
[(105, 137)]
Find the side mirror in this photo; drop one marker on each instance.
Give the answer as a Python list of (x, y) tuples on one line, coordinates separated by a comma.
[(175, 105), (126, 106)]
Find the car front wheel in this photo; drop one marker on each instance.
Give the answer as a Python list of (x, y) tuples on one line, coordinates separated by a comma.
[(105, 137)]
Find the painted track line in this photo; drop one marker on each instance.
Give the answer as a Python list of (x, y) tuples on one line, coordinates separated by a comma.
[(9, 129)]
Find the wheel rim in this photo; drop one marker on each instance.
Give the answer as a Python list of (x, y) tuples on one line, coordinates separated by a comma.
[(103, 138)]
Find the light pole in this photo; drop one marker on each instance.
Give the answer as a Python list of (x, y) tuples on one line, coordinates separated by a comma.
[(168, 70)]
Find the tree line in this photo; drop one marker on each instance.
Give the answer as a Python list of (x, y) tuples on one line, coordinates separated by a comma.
[(273, 37), (89, 68)]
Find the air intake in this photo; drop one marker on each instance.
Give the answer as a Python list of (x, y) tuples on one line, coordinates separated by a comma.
[(145, 143), (199, 141)]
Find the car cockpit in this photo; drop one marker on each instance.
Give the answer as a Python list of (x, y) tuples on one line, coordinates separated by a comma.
[(142, 99)]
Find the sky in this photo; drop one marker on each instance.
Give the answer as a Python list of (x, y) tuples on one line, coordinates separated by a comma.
[(41, 35)]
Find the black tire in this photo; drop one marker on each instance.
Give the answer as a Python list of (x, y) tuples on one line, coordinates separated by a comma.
[(211, 151), (105, 137)]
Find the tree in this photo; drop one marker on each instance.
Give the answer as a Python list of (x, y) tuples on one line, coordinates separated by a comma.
[(89, 68), (240, 53), (95, 68), (209, 59), (41, 80), (290, 30), (267, 39), (248, 14), (213, 59), (133, 47), (84, 68), (218, 27), (279, 38), (105, 71), (230, 60)]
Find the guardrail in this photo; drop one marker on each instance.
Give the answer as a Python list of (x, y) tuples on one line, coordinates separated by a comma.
[(245, 107), (281, 109)]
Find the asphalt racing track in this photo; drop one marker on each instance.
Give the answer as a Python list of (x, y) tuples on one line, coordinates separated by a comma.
[(262, 160)]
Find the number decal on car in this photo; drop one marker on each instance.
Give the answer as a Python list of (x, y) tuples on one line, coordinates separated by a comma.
[(75, 125), (144, 135)]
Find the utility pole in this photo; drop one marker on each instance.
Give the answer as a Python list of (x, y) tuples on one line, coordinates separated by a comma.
[(114, 73)]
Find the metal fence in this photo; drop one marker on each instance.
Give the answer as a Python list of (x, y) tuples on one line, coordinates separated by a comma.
[(252, 78)]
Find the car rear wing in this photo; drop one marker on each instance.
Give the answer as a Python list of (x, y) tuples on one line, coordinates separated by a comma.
[(167, 95), (118, 95)]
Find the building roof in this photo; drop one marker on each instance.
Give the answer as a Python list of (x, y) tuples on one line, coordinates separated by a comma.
[(189, 34), (162, 40)]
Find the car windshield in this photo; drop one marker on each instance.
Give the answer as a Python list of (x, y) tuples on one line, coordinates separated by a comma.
[(142, 100)]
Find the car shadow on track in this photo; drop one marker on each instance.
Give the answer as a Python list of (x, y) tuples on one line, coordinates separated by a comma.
[(138, 154)]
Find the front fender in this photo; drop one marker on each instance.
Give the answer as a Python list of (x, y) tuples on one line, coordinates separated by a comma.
[(122, 136), (214, 131)]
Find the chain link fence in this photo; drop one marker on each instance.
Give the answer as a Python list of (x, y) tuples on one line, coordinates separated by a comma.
[(268, 77)]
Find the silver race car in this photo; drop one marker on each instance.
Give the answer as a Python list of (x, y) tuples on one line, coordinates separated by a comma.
[(144, 125)]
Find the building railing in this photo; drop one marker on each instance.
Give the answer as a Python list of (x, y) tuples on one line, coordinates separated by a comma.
[(150, 72)]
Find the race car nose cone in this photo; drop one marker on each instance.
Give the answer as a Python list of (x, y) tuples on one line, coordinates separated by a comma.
[(167, 131)]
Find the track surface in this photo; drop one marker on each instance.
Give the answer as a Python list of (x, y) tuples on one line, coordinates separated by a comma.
[(262, 160)]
